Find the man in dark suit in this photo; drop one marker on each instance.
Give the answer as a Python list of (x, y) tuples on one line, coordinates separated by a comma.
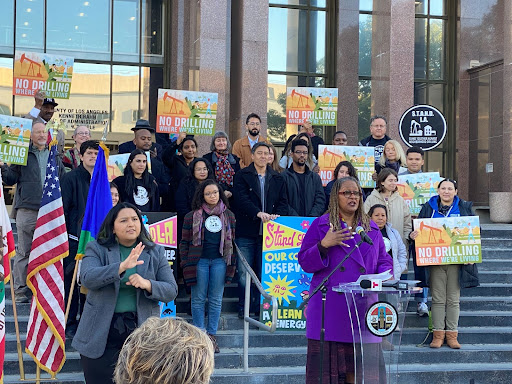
[(260, 196)]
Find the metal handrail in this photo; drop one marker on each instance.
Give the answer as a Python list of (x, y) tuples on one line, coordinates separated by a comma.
[(250, 275)]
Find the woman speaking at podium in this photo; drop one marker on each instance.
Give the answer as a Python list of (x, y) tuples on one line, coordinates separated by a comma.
[(326, 243)]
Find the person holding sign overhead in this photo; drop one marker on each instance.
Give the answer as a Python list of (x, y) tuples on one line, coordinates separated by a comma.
[(207, 253), (446, 280), (326, 243)]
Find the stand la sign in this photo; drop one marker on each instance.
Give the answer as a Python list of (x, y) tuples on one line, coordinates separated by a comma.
[(422, 126)]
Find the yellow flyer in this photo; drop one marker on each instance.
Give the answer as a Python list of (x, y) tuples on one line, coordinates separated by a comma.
[(189, 111), (50, 73), (449, 240)]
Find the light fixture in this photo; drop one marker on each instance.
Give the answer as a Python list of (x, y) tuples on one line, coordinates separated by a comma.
[(132, 18), (81, 14), (154, 33), (76, 26), (86, 3), (115, 42), (25, 23), (24, 35), (69, 39), (29, 10)]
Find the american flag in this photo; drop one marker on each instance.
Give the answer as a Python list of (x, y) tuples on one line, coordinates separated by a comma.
[(46, 325)]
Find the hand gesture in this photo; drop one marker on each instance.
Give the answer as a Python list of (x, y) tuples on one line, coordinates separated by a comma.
[(228, 194), (414, 235), (133, 259), (152, 153), (181, 137), (39, 98), (333, 238), (138, 281), (265, 217)]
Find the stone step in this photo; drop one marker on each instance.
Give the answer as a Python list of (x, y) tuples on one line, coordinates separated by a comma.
[(496, 242), (467, 335), (461, 373), (467, 319), (495, 277), (283, 375), (495, 265), (482, 353), (496, 230), (62, 378), (496, 253), (11, 365), (489, 289)]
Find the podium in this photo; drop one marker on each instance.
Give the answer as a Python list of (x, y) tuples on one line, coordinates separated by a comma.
[(376, 320)]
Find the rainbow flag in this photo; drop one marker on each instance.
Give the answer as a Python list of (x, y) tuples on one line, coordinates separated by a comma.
[(99, 202)]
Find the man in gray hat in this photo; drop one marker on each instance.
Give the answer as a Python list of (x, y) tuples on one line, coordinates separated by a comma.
[(143, 140)]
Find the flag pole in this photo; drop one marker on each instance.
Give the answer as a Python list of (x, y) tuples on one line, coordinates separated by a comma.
[(16, 326), (71, 290), (38, 375)]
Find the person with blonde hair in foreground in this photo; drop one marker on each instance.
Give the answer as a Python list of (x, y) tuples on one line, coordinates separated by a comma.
[(165, 351)]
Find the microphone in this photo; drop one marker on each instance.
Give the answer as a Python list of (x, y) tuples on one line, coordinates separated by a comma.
[(376, 285), (360, 231)]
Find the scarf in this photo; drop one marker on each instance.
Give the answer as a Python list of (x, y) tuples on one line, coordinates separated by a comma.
[(394, 166), (226, 241), (223, 170)]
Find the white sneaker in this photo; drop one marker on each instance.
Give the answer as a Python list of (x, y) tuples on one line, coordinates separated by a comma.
[(422, 309)]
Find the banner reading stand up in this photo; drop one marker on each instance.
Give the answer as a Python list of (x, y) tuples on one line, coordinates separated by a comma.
[(377, 314)]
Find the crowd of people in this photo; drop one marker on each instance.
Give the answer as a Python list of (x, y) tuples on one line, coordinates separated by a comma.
[(221, 198)]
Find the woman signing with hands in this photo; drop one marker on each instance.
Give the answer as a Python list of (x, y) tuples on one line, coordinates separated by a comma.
[(126, 275)]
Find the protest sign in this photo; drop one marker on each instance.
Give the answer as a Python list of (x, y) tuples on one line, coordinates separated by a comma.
[(117, 163), (14, 139), (362, 158), (163, 229), (49, 73), (189, 111), (281, 274), (449, 240), (318, 105), (417, 188)]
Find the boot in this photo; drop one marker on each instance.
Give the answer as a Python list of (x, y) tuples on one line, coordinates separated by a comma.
[(451, 339), (438, 339)]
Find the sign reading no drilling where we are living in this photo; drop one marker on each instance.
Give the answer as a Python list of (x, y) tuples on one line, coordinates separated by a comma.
[(422, 126)]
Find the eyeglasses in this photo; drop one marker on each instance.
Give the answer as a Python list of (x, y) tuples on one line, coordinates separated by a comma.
[(305, 153), (83, 134), (347, 194), (254, 124), (208, 194)]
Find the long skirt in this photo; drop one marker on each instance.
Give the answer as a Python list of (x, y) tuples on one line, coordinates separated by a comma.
[(339, 363)]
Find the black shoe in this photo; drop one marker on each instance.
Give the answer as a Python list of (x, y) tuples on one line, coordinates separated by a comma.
[(214, 342), (20, 297), (241, 315), (71, 331)]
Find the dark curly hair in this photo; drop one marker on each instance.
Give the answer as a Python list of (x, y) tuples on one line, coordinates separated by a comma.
[(198, 200)]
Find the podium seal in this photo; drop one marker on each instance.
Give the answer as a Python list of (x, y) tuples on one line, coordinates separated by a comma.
[(381, 319)]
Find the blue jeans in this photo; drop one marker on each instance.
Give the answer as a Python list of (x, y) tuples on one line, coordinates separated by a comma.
[(211, 275), (251, 248)]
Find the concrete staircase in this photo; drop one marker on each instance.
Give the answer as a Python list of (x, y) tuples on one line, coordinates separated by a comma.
[(485, 335)]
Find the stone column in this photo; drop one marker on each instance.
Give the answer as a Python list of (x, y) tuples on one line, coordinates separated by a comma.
[(507, 98), (348, 67), (393, 60), (249, 64)]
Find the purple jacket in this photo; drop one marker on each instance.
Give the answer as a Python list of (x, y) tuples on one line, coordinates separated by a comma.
[(368, 259)]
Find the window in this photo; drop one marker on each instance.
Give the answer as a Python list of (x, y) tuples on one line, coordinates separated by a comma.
[(118, 51), (296, 56), (365, 68), (430, 71)]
